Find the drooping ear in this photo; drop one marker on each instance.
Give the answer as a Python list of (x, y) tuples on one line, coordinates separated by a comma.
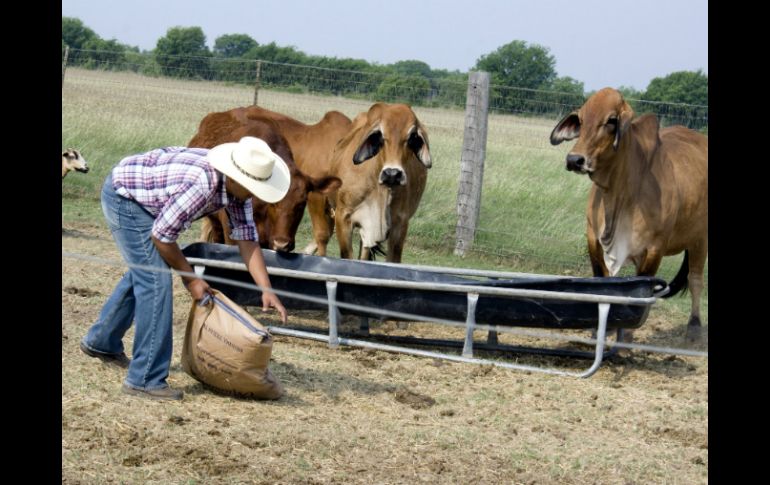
[(418, 143), (369, 147), (567, 129), (624, 121), (645, 130)]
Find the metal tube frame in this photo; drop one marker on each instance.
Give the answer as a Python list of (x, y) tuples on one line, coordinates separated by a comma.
[(472, 292)]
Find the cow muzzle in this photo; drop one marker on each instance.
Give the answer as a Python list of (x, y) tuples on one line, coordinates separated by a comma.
[(576, 163), (390, 176), (282, 245)]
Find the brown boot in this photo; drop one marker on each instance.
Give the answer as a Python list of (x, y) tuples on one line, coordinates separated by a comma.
[(162, 394), (120, 360)]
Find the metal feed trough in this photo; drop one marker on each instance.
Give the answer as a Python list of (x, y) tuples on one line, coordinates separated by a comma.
[(432, 294)]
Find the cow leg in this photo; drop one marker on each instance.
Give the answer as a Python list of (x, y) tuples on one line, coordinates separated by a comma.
[(596, 254), (396, 238), (344, 235), (322, 224), (647, 265), (695, 283)]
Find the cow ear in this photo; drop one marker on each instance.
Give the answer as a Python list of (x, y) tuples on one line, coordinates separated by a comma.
[(624, 121), (418, 143), (369, 148), (567, 129)]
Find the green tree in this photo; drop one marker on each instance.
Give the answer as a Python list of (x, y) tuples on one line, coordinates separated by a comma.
[(683, 89), (518, 65), (74, 33), (567, 85), (105, 54), (275, 53), (233, 45), (412, 68), (183, 53), (449, 88), (691, 87), (562, 96), (404, 89), (629, 92)]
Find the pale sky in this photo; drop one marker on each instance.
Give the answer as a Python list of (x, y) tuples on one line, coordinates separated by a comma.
[(599, 42)]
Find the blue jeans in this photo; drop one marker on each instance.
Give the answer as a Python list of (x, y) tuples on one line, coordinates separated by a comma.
[(142, 296)]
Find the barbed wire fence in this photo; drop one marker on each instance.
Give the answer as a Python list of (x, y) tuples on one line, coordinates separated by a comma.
[(205, 84)]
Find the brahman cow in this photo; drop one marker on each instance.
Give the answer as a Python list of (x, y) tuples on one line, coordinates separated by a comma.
[(72, 160), (649, 197), (383, 162), (276, 223)]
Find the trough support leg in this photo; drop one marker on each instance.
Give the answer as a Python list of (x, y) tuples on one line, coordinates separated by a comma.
[(601, 334), (470, 323), (492, 338), (334, 314), (363, 326)]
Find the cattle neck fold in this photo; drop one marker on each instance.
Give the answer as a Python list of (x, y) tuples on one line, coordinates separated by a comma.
[(616, 186)]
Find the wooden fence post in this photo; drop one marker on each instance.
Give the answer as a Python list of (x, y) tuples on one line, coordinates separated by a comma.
[(258, 82), (64, 64), (472, 160)]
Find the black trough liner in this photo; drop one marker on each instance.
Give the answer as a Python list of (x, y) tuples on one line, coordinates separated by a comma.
[(491, 310)]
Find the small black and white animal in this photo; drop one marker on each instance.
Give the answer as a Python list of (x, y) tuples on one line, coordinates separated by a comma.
[(72, 160)]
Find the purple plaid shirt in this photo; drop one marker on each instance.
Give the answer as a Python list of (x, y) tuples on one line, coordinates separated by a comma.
[(178, 186)]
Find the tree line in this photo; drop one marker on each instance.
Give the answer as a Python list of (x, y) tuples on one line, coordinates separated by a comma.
[(524, 78)]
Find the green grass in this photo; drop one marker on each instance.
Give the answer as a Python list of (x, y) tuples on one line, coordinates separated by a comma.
[(532, 214)]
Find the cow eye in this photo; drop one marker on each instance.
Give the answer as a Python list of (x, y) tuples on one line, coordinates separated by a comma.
[(612, 124), (415, 142)]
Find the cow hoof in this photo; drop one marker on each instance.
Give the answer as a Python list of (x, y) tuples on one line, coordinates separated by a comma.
[(694, 330), (623, 352)]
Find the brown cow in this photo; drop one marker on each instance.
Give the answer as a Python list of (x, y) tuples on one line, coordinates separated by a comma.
[(71, 159), (649, 197), (383, 164), (276, 223), (312, 146)]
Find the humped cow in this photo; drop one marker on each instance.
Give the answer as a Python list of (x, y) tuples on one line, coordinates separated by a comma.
[(383, 163), (649, 196)]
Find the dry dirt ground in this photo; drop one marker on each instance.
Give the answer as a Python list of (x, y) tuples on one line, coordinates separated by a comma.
[(357, 416)]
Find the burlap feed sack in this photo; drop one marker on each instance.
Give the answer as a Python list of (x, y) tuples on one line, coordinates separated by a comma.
[(227, 349)]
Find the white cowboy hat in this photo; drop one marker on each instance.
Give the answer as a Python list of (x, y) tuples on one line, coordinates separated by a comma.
[(252, 163)]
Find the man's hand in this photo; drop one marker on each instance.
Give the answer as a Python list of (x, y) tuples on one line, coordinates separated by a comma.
[(252, 256), (271, 300), (198, 288)]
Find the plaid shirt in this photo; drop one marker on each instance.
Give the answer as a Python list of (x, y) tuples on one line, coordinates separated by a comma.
[(178, 186)]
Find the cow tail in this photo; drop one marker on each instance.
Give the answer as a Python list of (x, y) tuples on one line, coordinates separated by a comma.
[(679, 283)]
